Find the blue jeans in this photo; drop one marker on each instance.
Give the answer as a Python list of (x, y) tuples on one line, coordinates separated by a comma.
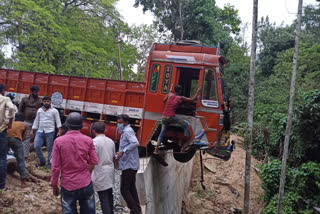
[(40, 138), (84, 195), (16, 145), (174, 119), (106, 201), (3, 158)]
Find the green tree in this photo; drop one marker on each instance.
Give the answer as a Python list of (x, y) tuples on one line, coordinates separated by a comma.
[(237, 73), (2, 59), (272, 41), (311, 24), (201, 20), (66, 37), (142, 37)]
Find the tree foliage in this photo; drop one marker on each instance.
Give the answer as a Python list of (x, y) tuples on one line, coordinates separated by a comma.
[(66, 37), (201, 20), (302, 187), (272, 41), (142, 37), (271, 107), (237, 73)]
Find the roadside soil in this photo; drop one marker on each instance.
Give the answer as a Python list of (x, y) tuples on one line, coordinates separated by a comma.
[(38, 197), (224, 182), (35, 199)]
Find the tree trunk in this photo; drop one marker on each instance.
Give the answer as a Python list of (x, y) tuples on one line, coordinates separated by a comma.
[(119, 60), (250, 108), (181, 23), (290, 112)]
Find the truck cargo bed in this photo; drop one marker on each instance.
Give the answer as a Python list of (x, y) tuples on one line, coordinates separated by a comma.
[(101, 96)]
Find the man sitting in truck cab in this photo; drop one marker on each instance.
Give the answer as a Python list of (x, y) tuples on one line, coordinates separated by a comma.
[(172, 101)]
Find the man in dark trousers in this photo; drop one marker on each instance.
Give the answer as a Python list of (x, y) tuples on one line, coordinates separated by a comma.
[(72, 157), (103, 173), (128, 156), (172, 101), (15, 136), (29, 106), (5, 103)]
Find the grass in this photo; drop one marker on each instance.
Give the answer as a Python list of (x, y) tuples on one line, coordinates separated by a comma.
[(208, 193), (8, 210)]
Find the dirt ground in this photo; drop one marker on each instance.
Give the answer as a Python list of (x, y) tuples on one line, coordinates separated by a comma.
[(224, 182), (35, 199)]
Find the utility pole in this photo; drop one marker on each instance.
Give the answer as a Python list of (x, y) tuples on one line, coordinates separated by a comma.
[(290, 112), (250, 107)]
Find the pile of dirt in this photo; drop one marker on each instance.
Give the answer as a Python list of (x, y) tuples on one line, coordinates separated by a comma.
[(224, 182), (35, 199)]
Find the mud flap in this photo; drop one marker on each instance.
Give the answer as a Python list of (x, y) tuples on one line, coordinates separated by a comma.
[(222, 152), (160, 160)]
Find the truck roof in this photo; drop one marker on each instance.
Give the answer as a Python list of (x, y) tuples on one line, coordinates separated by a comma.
[(186, 53)]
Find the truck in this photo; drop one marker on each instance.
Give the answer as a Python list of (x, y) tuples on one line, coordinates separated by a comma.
[(187, 63)]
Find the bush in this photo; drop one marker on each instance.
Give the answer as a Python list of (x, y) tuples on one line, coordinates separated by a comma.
[(270, 176), (302, 187), (289, 202), (307, 183)]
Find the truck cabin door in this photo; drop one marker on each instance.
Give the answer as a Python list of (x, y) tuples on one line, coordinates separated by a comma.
[(210, 108), (188, 78), (210, 92)]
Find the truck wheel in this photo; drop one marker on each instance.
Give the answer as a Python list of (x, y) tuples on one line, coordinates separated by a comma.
[(185, 156)]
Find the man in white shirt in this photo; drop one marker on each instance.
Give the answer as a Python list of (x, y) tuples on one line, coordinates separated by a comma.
[(103, 173), (45, 122), (5, 103)]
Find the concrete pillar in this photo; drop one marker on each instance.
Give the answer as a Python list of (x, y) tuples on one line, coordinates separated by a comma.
[(162, 189)]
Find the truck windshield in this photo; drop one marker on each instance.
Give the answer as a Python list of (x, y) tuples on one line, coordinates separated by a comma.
[(209, 94)]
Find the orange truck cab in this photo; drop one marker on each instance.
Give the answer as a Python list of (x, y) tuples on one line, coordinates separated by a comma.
[(192, 66), (188, 64)]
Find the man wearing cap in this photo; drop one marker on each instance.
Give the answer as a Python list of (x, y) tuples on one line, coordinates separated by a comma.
[(29, 106), (46, 119), (73, 155)]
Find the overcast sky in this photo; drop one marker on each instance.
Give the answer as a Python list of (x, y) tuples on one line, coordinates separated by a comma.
[(278, 10)]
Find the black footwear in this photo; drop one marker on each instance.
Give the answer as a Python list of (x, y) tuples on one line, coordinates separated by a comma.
[(3, 190), (41, 164)]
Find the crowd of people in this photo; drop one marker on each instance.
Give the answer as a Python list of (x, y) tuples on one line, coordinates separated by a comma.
[(84, 165)]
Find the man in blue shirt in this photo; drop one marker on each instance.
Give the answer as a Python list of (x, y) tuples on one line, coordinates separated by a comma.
[(128, 156)]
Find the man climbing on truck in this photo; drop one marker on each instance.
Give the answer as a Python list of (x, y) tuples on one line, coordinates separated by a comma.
[(172, 101)]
